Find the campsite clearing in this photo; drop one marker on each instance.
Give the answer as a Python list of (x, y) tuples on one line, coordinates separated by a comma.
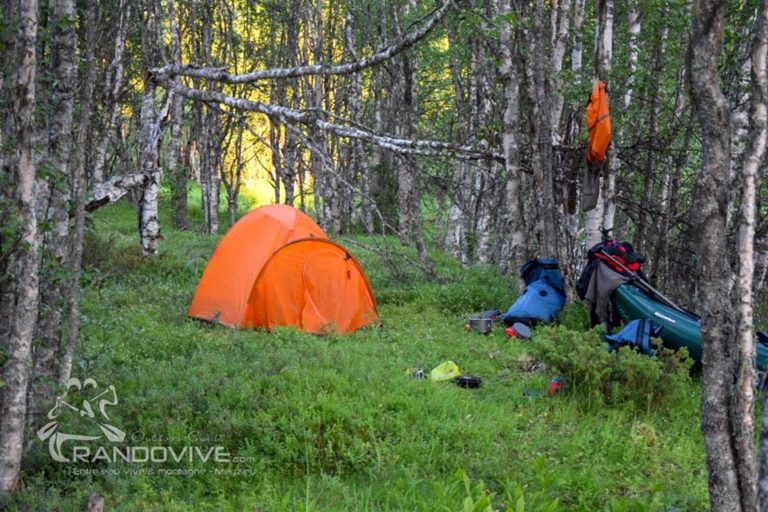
[(332, 423)]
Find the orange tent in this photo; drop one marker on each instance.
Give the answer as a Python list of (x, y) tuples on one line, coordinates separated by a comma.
[(598, 123), (275, 267)]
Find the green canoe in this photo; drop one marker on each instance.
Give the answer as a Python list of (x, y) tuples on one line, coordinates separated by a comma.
[(680, 329)]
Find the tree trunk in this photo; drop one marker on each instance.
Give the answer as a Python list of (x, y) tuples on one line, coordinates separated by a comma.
[(488, 172), (743, 418), (574, 256), (563, 10), (78, 195), (708, 219), (511, 234), (673, 163), (358, 160), (113, 83), (210, 161), (149, 223), (541, 138), (650, 163), (455, 241), (232, 176), (53, 204), (210, 133), (602, 214), (176, 167), (26, 261)]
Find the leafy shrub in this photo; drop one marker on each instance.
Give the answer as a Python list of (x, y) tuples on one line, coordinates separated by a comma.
[(623, 376), (574, 317)]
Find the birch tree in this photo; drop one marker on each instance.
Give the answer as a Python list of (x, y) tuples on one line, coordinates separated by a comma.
[(175, 161), (602, 214), (727, 410), (511, 234), (114, 79), (78, 181), (25, 261), (540, 116), (53, 196)]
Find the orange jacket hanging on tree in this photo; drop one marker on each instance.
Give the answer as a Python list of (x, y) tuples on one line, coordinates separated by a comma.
[(598, 123)]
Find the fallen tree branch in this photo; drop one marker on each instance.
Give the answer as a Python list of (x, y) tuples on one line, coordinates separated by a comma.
[(113, 189), (288, 115), (222, 75)]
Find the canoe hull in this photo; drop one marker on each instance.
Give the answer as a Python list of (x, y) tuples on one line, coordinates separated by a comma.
[(680, 330)]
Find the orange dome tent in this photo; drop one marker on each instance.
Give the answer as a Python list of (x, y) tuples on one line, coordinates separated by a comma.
[(276, 267)]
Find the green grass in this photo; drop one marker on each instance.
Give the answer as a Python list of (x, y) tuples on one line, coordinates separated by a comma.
[(333, 423)]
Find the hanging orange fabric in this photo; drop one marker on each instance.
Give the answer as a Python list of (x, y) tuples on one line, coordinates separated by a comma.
[(598, 123)]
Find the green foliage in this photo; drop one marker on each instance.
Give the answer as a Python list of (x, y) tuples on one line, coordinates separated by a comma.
[(623, 377), (332, 423)]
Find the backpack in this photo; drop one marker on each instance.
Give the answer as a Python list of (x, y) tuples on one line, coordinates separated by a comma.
[(620, 251)]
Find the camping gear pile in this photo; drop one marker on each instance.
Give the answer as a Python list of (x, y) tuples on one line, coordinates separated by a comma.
[(543, 297), (610, 264), (276, 267), (615, 290)]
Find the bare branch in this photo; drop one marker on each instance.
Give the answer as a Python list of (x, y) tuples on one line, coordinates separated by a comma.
[(287, 115), (328, 165), (113, 189), (387, 52)]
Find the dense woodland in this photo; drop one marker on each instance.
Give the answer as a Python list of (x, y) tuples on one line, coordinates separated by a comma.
[(455, 125)]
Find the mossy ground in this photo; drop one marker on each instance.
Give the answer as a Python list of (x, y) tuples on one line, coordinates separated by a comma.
[(333, 423)]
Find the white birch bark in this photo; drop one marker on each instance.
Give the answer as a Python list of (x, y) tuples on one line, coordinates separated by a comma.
[(390, 50), (512, 247), (359, 160), (149, 223), (423, 147), (458, 221), (53, 204), (113, 83), (609, 189), (15, 373), (78, 195), (572, 217), (558, 55), (743, 418), (602, 214), (538, 92), (210, 131), (634, 27)]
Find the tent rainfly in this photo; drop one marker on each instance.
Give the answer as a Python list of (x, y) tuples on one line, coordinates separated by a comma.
[(276, 267)]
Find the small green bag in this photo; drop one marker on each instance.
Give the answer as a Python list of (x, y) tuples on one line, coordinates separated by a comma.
[(444, 371)]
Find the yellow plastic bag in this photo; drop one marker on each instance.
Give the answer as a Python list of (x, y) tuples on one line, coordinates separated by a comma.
[(445, 371)]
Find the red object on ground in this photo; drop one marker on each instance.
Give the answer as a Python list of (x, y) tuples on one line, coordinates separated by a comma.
[(510, 332), (555, 386)]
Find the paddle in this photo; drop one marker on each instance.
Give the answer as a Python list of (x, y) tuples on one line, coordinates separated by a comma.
[(643, 285)]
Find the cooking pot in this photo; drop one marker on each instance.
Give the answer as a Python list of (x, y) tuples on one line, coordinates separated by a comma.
[(481, 325)]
